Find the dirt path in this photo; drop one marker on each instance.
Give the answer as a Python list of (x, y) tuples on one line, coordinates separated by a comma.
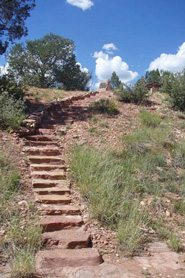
[(68, 250)]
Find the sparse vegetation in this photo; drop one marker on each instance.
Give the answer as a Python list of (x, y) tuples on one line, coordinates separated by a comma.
[(117, 184), (11, 112), (150, 119), (105, 106), (18, 220)]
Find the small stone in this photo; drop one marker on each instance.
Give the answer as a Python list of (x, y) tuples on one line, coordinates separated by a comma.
[(168, 213)]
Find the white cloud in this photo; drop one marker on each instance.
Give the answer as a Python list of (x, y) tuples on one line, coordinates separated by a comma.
[(82, 4), (4, 69), (105, 65), (83, 69), (109, 46), (170, 62)]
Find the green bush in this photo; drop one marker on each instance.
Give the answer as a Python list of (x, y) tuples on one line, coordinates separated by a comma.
[(177, 92), (105, 106), (11, 111), (149, 119), (138, 94)]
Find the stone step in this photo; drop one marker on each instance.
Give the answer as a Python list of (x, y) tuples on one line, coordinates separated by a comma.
[(45, 131), (67, 239), (41, 143), (49, 260), (40, 183), (48, 126), (37, 137), (52, 190), (46, 159), (47, 167), (53, 223), (52, 175), (59, 210), (53, 199), (48, 151)]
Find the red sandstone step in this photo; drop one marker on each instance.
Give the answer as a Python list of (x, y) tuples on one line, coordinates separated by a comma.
[(46, 159), (48, 151), (47, 167), (53, 199), (53, 223), (67, 239), (48, 260), (59, 210), (40, 183), (41, 138), (52, 175), (45, 131), (53, 190), (40, 143)]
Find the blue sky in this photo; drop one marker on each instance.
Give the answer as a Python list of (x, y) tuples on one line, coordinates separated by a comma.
[(134, 33)]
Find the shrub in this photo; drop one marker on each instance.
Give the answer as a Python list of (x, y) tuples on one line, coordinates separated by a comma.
[(138, 94), (105, 106), (149, 119), (11, 111), (178, 92)]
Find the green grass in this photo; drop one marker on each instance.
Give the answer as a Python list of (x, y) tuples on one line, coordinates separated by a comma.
[(22, 239), (105, 106), (149, 119), (115, 182)]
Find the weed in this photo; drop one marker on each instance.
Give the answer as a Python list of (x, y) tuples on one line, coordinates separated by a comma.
[(105, 106), (179, 206), (11, 112), (104, 125), (94, 119), (149, 119), (174, 242)]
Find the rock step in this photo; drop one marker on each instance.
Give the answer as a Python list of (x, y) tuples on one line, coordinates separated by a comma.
[(40, 183), (47, 167), (53, 190), (49, 138), (48, 126), (59, 210), (49, 151), (56, 223), (41, 143), (46, 159), (52, 175), (53, 199), (48, 260), (67, 239), (45, 131)]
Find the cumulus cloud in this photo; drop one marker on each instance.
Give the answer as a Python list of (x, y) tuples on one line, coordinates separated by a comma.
[(109, 46), (170, 62), (82, 4), (105, 65), (83, 69)]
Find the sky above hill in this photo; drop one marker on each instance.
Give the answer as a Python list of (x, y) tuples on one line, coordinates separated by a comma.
[(126, 36)]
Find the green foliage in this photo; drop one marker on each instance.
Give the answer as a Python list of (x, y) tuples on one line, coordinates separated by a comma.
[(153, 76), (9, 85), (105, 106), (138, 94), (13, 16), (11, 111), (149, 119), (72, 77), (177, 92), (115, 82), (167, 81), (47, 62)]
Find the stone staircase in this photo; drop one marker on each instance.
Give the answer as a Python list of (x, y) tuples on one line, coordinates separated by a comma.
[(65, 241)]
